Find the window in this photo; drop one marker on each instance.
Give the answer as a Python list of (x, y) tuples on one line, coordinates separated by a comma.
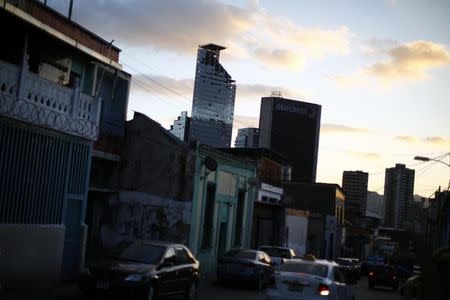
[(239, 218), (182, 256), (209, 215), (170, 254)]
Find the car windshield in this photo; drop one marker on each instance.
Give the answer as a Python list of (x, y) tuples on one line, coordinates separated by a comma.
[(241, 254), (144, 253), (304, 267), (276, 252)]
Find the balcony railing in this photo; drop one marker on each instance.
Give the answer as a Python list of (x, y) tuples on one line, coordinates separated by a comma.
[(27, 97)]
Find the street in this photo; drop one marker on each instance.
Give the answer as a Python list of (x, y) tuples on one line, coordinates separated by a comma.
[(212, 291), (209, 291)]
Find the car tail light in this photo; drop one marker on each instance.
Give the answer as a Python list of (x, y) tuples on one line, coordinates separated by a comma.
[(394, 277), (323, 290), (371, 273)]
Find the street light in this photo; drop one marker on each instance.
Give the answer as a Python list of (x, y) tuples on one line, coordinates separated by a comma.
[(437, 159)]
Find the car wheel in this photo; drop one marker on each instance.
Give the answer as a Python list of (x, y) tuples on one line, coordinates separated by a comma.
[(150, 293), (370, 284), (191, 292)]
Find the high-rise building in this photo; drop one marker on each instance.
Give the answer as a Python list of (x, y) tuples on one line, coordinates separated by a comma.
[(181, 126), (247, 138), (213, 103), (398, 191), (354, 184), (292, 129)]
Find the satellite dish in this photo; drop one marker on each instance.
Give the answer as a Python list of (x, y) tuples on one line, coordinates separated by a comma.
[(210, 164)]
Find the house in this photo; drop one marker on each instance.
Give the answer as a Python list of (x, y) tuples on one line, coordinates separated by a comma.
[(150, 194), (56, 82), (222, 205)]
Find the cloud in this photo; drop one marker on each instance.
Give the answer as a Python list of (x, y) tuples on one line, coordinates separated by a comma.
[(367, 155), (338, 128), (406, 62), (183, 88), (435, 140), (179, 26)]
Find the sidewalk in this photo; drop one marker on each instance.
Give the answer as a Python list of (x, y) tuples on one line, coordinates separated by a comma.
[(68, 291)]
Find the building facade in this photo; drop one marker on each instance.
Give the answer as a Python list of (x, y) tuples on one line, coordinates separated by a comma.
[(247, 138), (354, 184), (292, 129), (181, 127), (222, 205), (213, 102), (398, 192), (50, 111)]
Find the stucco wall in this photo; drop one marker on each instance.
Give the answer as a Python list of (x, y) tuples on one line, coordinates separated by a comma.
[(131, 215), (30, 255)]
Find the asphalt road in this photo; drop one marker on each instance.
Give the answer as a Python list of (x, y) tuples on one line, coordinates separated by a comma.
[(210, 291)]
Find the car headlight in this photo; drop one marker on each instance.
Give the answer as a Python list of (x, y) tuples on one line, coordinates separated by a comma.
[(134, 277)]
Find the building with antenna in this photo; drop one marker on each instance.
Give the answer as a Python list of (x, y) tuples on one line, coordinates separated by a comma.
[(291, 128), (213, 101), (398, 192)]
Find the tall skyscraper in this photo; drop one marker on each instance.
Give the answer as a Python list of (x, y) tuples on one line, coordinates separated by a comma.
[(354, 184), (292, 129), (398, 191), (181, 127), (213, 103), (247, 138)]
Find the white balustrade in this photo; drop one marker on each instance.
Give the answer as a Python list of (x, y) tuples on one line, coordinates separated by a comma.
[(45, 103)]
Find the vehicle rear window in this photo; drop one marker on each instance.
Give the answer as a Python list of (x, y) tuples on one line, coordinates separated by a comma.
[(276, 252), (304, 267), (241, 254), (144, 253)]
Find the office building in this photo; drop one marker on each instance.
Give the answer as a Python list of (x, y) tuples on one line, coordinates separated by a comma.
[(398, 191), (181, 126), (213, 103), (247, 138), (354, 184), (292, 129)]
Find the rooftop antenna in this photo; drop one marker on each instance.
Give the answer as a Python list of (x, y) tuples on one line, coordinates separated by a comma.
[(70, 9), (276, 94)]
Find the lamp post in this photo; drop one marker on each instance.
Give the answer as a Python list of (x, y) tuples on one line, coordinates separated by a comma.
[(437, 159)]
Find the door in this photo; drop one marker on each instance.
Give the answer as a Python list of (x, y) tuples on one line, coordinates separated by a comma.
[(223, 229)]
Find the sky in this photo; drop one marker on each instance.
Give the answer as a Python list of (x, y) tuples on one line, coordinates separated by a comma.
[(380, 69)]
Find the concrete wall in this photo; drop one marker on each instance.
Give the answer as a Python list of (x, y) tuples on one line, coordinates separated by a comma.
[(134, 215), (298, 228), (30, 255)]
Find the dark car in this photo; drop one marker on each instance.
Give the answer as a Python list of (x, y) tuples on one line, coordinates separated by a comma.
[(349, 269), (278, 255), (245, 265), (357, 267), (144, 268), (386, 275)]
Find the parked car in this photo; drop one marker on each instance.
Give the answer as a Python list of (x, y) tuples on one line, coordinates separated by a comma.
[(357, 267), (385, 275), (245, 265), (348, 268), (144, 267), (309, 280), (278, 254)]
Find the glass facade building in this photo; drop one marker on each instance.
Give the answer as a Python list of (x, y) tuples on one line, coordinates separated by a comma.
[(247, 138), (181, 126), (213, 103)]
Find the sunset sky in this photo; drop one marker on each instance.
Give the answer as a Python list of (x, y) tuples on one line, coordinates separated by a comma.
[(380, 69)]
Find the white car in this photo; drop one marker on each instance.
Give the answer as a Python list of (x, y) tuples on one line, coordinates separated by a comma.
[(309, 280), (278, 255)]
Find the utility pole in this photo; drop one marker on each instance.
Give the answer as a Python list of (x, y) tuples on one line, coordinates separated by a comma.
[(70, 9)]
